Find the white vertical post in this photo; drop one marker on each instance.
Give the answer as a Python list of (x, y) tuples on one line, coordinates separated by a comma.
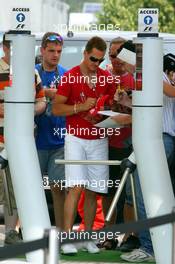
[(53, 251), (20, 144), (173, 241), (149, 149)]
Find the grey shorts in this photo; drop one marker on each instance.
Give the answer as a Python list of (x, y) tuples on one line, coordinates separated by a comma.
[(47, 159)]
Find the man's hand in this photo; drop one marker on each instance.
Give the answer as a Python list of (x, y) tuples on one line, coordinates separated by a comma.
[(122, 119), (39, 107), (50, 92), (129, 163), (119, 94), (88, 104)]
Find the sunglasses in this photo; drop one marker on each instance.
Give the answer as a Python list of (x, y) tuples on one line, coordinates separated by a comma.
[(113, 56), (93, 59), (54, 38)]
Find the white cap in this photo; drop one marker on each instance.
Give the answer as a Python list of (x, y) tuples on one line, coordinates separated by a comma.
[(127, 53), (127, 56)]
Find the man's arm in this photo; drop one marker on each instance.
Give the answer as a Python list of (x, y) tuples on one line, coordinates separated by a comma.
[(168, 89), (40, 106), (60, 108), (122, 119)]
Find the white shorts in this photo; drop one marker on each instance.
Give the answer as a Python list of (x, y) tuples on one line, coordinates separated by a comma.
[(92, 177)]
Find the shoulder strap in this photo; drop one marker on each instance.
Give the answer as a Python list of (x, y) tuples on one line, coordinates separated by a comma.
[(39, 69)]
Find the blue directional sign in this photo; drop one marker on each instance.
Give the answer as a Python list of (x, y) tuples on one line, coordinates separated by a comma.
[(148, 20), (20, 17)]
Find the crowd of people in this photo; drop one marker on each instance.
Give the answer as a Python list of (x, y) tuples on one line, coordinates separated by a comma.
[(71, 106)]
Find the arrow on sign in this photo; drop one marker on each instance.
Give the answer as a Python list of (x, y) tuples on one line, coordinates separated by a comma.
[(20, 17), (148, 20)]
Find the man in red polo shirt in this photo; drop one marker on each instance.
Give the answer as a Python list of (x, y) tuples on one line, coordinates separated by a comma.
[(78, 93)]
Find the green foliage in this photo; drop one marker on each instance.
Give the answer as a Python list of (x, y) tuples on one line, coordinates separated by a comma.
[(125, 13), (77, 5)]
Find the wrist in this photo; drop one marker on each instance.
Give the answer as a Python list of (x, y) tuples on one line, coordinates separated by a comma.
[(78, 108), (75, 108)]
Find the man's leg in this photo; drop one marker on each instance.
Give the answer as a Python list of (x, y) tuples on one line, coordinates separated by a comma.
[(58, 196), (70, 207), (90, 207), (169, 148), (169, 144), (144, 236), (70, 210), (97, 183), (145, 252), (97, 177), (75, 178), (56, 174)]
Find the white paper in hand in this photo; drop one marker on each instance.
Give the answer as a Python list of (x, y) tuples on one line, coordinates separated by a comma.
[(108, 122), (110, 113)]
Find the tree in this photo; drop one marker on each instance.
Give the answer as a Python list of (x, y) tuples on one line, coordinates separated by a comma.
[(76, 6), (124, 13)]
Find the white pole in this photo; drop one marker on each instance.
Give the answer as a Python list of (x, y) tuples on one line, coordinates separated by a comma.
[(53, 251), (149, 149), (20, 144)]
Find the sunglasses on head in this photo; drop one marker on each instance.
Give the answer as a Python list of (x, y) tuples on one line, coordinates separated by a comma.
[(54, 38), (93, 59), (113, 56)]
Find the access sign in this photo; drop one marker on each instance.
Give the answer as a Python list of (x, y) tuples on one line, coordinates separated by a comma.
[(20, 19), (148, 20)]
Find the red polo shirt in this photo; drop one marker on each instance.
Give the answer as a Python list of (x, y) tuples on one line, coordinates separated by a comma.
[(74, 87)]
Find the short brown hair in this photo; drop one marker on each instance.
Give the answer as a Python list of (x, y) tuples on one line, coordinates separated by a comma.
[(117, 40), (97, 43), (45, 39)]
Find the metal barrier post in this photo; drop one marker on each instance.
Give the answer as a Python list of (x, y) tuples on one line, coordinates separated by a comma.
[(6, 182), (117, 195), (88, 162), (173, 241), (133, 196), (51, 253)]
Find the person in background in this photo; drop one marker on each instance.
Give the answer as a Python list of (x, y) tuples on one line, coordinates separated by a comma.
[(49, 139), (118, 147)]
